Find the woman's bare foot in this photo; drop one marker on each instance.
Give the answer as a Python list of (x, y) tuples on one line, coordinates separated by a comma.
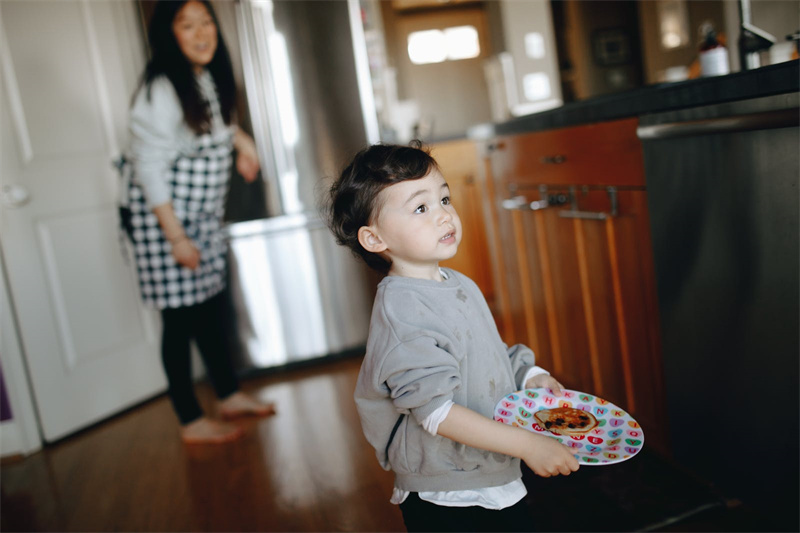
[(205, 430), (240, 404)]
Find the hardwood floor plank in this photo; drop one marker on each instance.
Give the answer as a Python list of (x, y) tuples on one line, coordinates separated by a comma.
[(308, 468)]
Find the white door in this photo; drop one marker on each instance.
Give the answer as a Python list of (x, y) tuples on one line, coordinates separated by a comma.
[(68, 71)]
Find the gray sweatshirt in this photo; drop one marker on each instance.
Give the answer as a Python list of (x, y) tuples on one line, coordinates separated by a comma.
[(430, 342)]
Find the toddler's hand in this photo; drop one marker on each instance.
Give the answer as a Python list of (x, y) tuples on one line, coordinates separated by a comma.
[(546, 381), (547, 457)]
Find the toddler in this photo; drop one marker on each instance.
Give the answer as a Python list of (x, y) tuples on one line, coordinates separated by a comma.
[(435, 365)]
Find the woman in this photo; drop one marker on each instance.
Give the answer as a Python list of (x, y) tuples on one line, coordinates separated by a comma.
[(182, 142)]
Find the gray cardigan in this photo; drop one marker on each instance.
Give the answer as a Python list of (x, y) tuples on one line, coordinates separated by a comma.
[(430, 342)]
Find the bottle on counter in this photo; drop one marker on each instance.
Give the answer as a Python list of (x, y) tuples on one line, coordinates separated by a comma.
[(713, 54), (796, 38)]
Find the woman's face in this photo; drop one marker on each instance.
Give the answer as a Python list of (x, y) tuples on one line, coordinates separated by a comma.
[(196, 34)]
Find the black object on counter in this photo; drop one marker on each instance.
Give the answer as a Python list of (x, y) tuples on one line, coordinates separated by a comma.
[(766, 81)]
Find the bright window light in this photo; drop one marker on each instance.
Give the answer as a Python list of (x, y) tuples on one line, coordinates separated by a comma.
[(536, 86), (462, 42), (534, 45), (673, 18), (284, 91), (450, 44), (429, 46)]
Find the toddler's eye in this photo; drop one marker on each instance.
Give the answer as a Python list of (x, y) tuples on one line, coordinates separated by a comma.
[(421, 209), (446, 200)]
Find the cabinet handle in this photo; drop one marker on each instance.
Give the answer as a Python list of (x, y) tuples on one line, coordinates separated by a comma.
[(588, 215), (520, 203), (553, 159), (592, 215)]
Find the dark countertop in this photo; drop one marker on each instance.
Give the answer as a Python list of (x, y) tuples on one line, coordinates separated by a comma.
[(765, 81)]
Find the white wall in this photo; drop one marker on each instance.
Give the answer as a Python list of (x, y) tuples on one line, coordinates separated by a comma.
[(519, 20)]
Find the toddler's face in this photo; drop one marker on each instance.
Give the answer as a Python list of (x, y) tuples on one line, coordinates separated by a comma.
[(418, 225)]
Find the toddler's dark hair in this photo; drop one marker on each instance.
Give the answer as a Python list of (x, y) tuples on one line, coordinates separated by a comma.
[(353, 197)]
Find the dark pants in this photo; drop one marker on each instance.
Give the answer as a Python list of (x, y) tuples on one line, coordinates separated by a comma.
[(420, 515), (203, 323)]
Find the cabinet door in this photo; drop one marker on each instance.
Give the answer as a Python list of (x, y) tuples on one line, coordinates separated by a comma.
[(581, 294), (458, 162)]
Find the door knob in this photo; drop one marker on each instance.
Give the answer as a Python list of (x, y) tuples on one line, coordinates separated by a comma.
[(15, 196)]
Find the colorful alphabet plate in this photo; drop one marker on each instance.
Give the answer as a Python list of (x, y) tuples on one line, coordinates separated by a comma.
[(618, 436)]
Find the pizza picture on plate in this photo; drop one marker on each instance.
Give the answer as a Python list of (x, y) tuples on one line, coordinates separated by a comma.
[(566, 421)]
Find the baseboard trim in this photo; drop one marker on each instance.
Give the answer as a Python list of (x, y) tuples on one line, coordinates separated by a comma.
[(11, 441)]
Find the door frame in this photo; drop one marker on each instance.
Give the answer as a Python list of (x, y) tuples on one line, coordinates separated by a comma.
[(21, 434)]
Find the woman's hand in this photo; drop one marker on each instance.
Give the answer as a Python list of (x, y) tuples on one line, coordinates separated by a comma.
[(247, 157), (185, 253), (547, 381)]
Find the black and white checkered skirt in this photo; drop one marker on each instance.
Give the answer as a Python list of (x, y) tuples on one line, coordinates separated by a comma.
[(199, 185)]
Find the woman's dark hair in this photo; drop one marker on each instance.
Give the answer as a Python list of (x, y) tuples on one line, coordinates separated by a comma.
[(167, 59), (353, 197)]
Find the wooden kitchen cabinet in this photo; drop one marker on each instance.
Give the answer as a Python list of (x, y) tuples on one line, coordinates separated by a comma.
[(569, 233), (458, 162), (403, 5)]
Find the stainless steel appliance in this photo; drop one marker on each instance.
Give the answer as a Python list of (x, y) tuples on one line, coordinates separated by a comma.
[(295, 294), (723, 194)]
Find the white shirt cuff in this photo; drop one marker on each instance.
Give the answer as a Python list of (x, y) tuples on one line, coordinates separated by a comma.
[(432, 421), (533, 372)]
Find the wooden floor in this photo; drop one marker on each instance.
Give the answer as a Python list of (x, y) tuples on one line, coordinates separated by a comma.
[(308, 468)]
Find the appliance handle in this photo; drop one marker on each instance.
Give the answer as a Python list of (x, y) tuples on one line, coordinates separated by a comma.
[(781, 118)]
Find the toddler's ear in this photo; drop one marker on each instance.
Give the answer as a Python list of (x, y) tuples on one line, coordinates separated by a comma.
[(370, 240)]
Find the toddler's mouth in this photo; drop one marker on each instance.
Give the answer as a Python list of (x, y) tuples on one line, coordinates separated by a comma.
[(449, 235)]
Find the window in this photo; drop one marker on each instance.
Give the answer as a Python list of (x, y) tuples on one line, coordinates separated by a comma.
[(673, 18), (534, 45), (449, 44)]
